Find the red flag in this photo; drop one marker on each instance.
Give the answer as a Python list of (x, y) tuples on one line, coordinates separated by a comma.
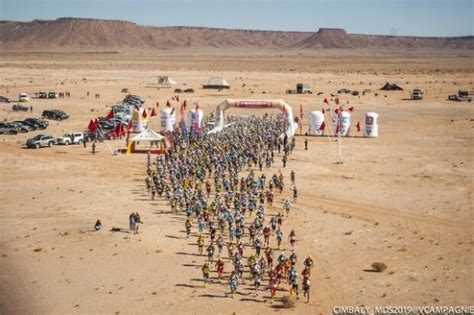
[(92, 127), (153, 113), (110, 115), (322, 127), (337, 100), (118, 128), (144, 115), (323, 110), (96, 122), (184, 104), (326, 101), (337, 111), (168, 104), (172, 111), (358, 126), (351, 109)]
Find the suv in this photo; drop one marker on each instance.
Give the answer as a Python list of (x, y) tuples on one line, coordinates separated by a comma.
[(23, 97), (52, 94), (4, 99), (55, 114), (417, 94), (71, 138), (22, 126), (40, 141), (10, 129), (38, 123)]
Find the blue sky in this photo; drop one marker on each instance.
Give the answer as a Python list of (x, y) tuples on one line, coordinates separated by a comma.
[(390, 17)]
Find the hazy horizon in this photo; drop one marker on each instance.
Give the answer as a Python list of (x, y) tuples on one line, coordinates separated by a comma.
[(436, 18)]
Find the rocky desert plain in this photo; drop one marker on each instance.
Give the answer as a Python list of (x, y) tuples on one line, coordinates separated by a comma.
[(404, 198)]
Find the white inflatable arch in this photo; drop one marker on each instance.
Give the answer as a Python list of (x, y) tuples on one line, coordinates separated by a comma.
[(251, 104)]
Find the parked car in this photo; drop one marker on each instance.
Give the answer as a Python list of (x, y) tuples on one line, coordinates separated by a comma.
[(459, 98), (42, 94), (22, 126), (189, 90), (4, 99), (52, 94), (417, 94), (40, 141), (39, 123), (30, 124), (6, 128), (23, 97), (71, 138), (106, 125), (55, 114), (19, 108)]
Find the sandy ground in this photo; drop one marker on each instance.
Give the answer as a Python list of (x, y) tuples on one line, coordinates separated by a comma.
[(404, 198)]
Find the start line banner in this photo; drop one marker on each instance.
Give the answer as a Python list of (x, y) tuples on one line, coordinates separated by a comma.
[(254, 104)]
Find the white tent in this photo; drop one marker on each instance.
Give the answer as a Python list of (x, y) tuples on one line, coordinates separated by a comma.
[(216, 83), (154, 139), (148, 135), (162, 82)]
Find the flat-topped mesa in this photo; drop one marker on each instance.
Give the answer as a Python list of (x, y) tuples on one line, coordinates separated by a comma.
[(332, 31), (86, 34)]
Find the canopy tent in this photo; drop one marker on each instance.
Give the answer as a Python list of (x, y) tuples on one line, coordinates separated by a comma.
[(150, 136), (216, 83), (162, 82), (391, 87)]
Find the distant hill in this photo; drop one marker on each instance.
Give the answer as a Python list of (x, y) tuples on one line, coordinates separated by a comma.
[(78, 34)]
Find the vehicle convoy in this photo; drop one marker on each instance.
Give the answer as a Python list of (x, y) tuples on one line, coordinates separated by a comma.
[(417, 94), (40, 141), (23, 97), (71, 138)]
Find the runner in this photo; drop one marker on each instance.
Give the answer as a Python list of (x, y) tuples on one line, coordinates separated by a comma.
[(206, 269)]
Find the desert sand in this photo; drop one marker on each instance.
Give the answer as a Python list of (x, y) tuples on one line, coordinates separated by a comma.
[(404, 198)]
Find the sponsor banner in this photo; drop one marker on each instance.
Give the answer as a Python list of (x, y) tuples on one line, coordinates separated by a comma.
[(254, 104)]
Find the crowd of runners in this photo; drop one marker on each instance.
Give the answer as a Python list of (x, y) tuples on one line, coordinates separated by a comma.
[(218, 183)]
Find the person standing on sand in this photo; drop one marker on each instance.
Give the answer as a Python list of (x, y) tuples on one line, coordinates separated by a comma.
[(97, 225), (93, 147), (306, 144)]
